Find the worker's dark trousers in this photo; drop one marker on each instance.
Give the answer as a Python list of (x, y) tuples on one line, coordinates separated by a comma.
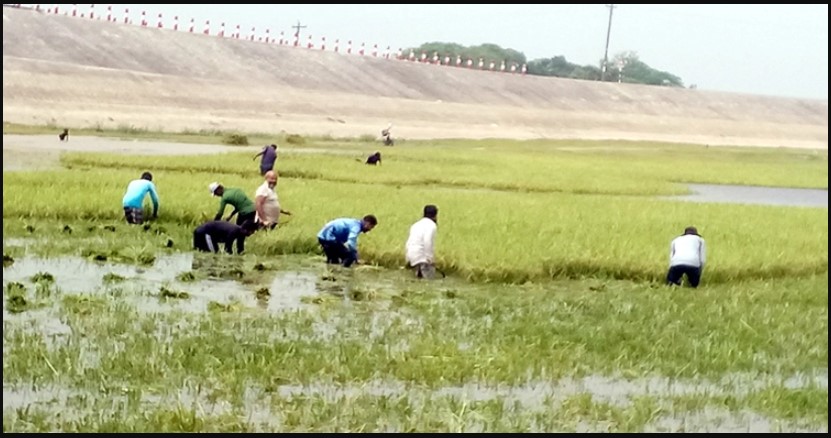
[(203, 242), (676, 273)]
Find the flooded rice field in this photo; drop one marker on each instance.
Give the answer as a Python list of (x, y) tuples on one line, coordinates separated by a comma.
[(49, 301)]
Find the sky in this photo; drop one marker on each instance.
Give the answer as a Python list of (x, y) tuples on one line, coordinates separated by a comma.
[(774, 50)]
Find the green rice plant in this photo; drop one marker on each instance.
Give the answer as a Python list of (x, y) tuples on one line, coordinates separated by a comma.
[(43, 290), (16, 301), (43, 277), (84, 304), (165, 293), (111, 277), (186, 277), (215, 306), (263, 293)]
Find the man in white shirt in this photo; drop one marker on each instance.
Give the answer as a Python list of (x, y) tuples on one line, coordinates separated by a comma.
[(266, 202), (687, 255), (421, 243)]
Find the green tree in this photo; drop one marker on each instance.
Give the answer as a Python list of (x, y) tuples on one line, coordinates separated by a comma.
[(559, 67), (627, 67), (623, 67), (488, 52)]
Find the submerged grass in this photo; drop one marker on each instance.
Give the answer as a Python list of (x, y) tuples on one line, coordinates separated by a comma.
[(474, 334), (445, 335)]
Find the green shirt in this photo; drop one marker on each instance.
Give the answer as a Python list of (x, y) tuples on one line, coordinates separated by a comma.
[(236, 197)]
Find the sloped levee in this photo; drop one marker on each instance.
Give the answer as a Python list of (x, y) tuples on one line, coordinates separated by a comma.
[(80, 72)]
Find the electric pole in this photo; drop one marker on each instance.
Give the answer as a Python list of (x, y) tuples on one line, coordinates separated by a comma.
[(297, 33), (606, 53)]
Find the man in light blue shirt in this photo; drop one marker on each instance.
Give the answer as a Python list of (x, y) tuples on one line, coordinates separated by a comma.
[(133, 200), (339, 238)]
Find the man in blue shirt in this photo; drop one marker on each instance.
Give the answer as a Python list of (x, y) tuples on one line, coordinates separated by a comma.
[(133, 200), (269, 156), (339, 238)]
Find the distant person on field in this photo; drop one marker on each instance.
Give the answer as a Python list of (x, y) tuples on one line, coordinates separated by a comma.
[(269, 156), (243, 207), (339, 238), (133, 200), (374, 159), (687, 255), (208, 236), (266, 202), (386, 135), (421, 243), (64, 136)]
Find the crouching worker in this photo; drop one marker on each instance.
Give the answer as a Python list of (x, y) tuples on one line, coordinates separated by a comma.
[(133, 199), (208, 236), (339, 239), (374, 159), (235, 197), (687, 255), (421, 243)]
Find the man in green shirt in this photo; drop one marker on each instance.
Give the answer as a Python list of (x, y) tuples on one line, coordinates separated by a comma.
[(243, 207)]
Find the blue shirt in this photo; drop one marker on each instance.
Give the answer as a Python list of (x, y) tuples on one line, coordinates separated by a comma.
[(343, 230), (269, 157), (136, 190)]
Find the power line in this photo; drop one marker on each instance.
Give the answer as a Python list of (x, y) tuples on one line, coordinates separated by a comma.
[(606, 52)]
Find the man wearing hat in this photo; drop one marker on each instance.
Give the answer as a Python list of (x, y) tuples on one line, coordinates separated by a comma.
[(243, 207), (687, 255)]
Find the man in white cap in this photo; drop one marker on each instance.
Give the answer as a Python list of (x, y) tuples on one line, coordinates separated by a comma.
[(243, 207)]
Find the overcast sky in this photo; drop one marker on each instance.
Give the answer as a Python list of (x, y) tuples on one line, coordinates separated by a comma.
[(778, 50)]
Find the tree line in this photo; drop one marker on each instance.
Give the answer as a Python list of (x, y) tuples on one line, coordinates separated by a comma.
[(623, 67)]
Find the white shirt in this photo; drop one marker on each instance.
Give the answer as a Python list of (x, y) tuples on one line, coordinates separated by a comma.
[(420, 244), (689, 250), (271, 207)]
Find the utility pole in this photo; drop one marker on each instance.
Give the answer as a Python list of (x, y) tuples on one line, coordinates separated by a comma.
[(606, 53), (297, 32)]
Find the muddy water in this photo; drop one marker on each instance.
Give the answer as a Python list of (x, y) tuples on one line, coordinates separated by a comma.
[(736, 194), (289, 288), (542, 397), (141, 285)]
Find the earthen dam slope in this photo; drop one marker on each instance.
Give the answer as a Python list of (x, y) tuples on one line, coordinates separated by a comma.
[(69, 71)]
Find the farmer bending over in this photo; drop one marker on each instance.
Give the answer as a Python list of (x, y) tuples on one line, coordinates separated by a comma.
[(236, 197), (339, 238), (208, 236), (133, 199)]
